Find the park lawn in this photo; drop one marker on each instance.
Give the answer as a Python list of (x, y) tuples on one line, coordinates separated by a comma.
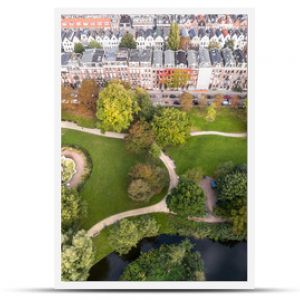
[(227, 120), (208, 152), (81, 120), (105, 191), (101, 241)]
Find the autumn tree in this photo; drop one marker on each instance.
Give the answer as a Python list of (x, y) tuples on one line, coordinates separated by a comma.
[(139, 190), (88, 94), (174, 37), (211, 113), (203, 101), (94, 45), (184, 43), (235, 101), (77, 257), (116, 107), (230, 44), (214, 45), (218, 100), (128, 41), (171, 127), (78, 48), (140, 137), (186, 101), (178, 79)]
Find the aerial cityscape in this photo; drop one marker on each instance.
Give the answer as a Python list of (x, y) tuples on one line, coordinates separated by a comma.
[(154, 147)]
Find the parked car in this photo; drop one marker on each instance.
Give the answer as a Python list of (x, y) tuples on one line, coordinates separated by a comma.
[(225, 103), (176, 102), (172, 96), (195, 102)]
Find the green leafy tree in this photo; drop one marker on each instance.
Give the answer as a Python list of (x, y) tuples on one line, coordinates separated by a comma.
[(171, 127), (78, 48), (174, 37), (77, 257), (178, 79), (88, 94), (94, 45), (232, 197), (155, 151), (186, 101), (72, 208), (147, 109), (211, 113), (168, 263), (187, 199), (116, 107), (128, 232), (127, 41), (194, 174), (140, 137)]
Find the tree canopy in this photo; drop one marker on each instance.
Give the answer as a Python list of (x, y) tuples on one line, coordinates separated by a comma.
[(232, 196), (94, 45), (116, 107), (127, 41), (178, 79), (147, 109), (78, 48), (186, 101), (72, 208), (211, 113), (77, 257), (128, 232), (174, 37), (88, 94), (187, 199), (168, 263), (171, 127)]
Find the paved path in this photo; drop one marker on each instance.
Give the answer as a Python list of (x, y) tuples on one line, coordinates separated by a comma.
[(96, 131), (227, 134), (79, 166)]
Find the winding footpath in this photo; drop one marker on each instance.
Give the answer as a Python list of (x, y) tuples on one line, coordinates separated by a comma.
[(161, 206)]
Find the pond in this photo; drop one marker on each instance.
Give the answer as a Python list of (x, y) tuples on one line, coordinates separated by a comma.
[(223, 261)]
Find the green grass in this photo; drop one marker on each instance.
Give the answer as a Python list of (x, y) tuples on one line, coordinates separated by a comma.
[(105, 191), (227, 120), (208, 152), (101, 243), (89, 122)]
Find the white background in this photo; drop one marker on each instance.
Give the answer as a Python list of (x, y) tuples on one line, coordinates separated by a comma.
[(27, 148)]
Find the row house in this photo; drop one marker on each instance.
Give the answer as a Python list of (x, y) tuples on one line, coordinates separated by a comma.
[(142, 22), (146, 39), (151, 69), (69, 39), (90, 22)]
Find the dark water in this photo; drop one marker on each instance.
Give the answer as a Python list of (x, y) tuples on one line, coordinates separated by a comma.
[(223, 261)]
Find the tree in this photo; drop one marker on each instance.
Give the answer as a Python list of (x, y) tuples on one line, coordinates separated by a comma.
[(214, 45), (187, 199), (72, 208), (186, 101), (139, 190), (168, 263), (155, 151), (147, 109), (66, 93), (235, 101), (203, 101), (88, 94), (178, 79), (211, 113), (184, 43), (232, 197), (218, 100), (230, 44), (174, 37), (116, 107), (94, 45), (127, 41), (78, 48), (153, 175), (194, 174), (125, 234), (171, 127), (140, 137), (77, 257)]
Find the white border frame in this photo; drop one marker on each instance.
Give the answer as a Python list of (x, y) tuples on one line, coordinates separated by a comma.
[(162, 285)]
